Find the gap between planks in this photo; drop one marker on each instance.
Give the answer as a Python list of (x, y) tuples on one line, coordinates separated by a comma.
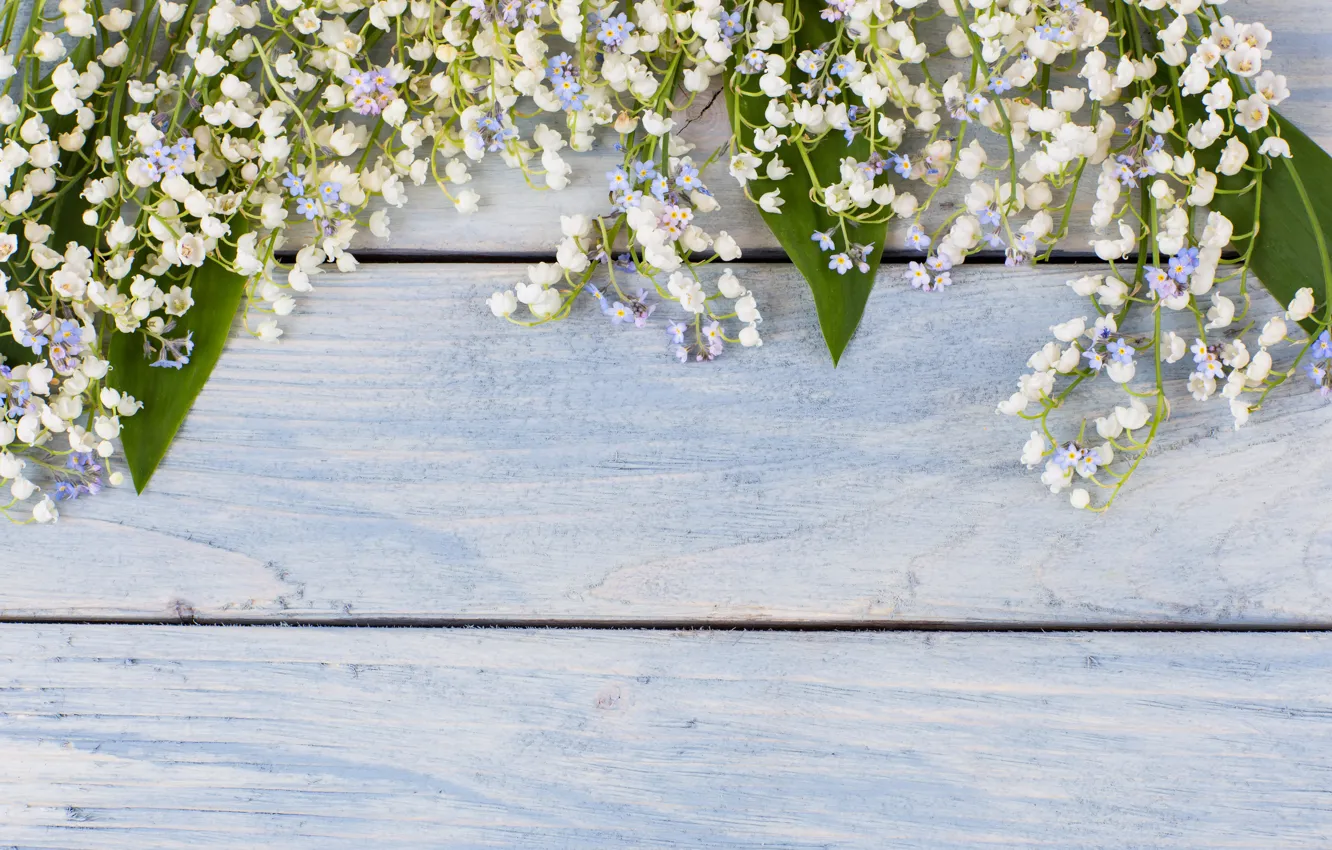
[(755, 256), (564, 624)]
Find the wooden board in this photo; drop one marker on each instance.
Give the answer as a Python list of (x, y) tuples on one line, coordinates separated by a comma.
[(140, 738), (516, 219), (403, 455)]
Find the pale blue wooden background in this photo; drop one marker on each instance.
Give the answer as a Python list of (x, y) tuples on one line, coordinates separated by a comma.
[(576, 476)]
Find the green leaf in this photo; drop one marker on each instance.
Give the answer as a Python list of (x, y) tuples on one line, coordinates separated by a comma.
[(168, 394), (1287, 256), (839, 299)]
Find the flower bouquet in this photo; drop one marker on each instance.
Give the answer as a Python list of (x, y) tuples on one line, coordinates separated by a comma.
[(169, 166)]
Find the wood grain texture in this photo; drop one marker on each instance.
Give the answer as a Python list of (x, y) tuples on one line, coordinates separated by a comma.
[(403, 454), (516, 219), (140, 738)]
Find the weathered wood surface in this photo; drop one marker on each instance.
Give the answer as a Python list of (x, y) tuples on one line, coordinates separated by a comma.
[(516, 219), (403, 454), (138, 738)]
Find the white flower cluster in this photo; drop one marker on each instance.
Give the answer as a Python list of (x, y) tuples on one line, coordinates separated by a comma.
[(126, 175), (873, 85), (145, 154), (624, 70), (1180, 264)]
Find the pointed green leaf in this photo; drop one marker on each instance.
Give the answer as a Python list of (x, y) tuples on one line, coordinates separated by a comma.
[(839, 298), (168, 394)]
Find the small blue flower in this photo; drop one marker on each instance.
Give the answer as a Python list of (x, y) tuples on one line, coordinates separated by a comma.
[(677, 331), (618, 179), (1183, 264), (824, 238), (902, 165), (618, 313), (307, 207), (712, 344), (1124, 170), (1047, 32), (509, 12), (614, 30), (155, 152), (917, 275), (560, 65), (1087, 464), (1067, 456), (83, 462), (1122, 352), (916, 238), (69, 334), (686, 177), (1211, 367), (810, 61), (295, 186), (569, 92), (731, 24), (840, 263), (1161, 283), (329, 191), (359, 81), (36, 343), (66, 492), (632, 198), (170, 167), (1322, 347), (20, 394), (643, 171)]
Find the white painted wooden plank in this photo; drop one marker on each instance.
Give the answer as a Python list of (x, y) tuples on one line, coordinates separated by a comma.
[(516, 219), (120, 738), (403, 454)]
